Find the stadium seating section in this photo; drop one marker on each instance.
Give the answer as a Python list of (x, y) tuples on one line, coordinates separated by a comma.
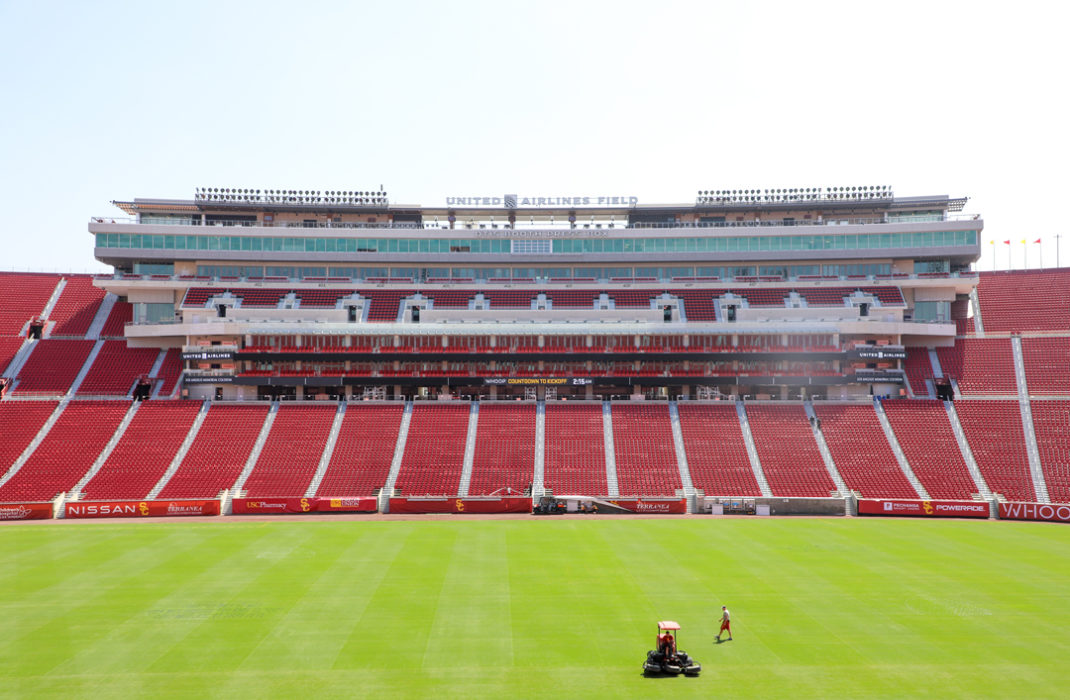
[(76, 307), (1032, 304), (219, 452), (144, 452), (994, 431), (1025, 300), (434, 450), (788, 452), (923, 431), (67, 452), (505, 449), (53, 366), (364, 450), (116, 368), (643, 445), (861, 451), (292, 452), (716, 454), (1051, 422), (575, 449)]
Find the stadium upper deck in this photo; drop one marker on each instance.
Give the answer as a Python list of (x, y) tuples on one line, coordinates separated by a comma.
[(745, 291)]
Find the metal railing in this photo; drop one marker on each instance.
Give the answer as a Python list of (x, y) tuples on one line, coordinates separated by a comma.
[(475, 225)]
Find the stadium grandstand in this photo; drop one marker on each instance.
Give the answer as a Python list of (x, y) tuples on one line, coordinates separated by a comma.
[(826, 344)]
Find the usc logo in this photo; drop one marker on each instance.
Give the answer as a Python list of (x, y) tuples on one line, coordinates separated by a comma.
[(305, 506), (460, 506), (143, 507), (927, 507)]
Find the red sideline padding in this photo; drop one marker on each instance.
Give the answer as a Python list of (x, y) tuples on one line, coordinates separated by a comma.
[(509, 504), (651, 505), (25, 511), (267, 506), (925, 509), (262, 506), (1055, 512), (139, 509)]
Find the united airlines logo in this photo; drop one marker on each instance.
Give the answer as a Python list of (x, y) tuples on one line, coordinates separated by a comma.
[(510, 201)]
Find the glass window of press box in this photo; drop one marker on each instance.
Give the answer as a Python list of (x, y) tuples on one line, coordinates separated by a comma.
[(721, 244)]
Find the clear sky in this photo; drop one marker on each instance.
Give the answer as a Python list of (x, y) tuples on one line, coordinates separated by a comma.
[(113, 100)]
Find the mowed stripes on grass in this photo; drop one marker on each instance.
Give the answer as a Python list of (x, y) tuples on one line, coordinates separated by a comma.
[(526, 608)]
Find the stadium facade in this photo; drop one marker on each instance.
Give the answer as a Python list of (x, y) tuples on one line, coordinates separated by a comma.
[(329, 351), (776, 293)]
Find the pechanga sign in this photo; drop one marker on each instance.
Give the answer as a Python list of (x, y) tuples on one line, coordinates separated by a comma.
[(512, 201)]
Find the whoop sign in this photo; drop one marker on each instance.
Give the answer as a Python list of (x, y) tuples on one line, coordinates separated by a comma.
[(139, 509), (924, 509), (1055, 512)]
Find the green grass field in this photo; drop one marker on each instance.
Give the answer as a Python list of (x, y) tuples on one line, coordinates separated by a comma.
[(526, 608)]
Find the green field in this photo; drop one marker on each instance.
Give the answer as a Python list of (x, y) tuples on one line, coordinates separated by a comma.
[(534, 608)]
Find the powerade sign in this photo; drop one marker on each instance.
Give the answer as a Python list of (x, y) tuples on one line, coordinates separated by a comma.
[(512, 201)]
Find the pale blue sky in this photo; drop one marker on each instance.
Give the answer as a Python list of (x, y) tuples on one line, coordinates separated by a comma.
[(113, 100)]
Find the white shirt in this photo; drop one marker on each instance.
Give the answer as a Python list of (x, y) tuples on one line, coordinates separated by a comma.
[(724, 615)]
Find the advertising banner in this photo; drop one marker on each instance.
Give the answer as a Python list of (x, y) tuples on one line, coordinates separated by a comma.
[(537, 381), (353, 504), (272, 506), (648, 506), (139, 509), (924, 509), (1054, 512), (512, 504), (25, 511)]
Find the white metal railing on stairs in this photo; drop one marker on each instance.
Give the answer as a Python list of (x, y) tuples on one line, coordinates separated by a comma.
[(612, 486), (681, 453), (399, 451), (183, 449), (752, 451), (328, 451), (469, 449), (897, 450), (978, 322), (538, 478), (823, 448), (1036, 471), (53, 298)]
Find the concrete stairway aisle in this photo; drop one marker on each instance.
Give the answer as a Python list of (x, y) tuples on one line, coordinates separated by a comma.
[(328, 451), (823, 448), (469, 449), (612, 485), (897, 450), (1040, 486), (752, 451), (76, 492), (176, 462)]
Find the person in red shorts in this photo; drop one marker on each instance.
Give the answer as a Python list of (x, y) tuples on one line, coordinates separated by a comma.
[(726, 624)]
